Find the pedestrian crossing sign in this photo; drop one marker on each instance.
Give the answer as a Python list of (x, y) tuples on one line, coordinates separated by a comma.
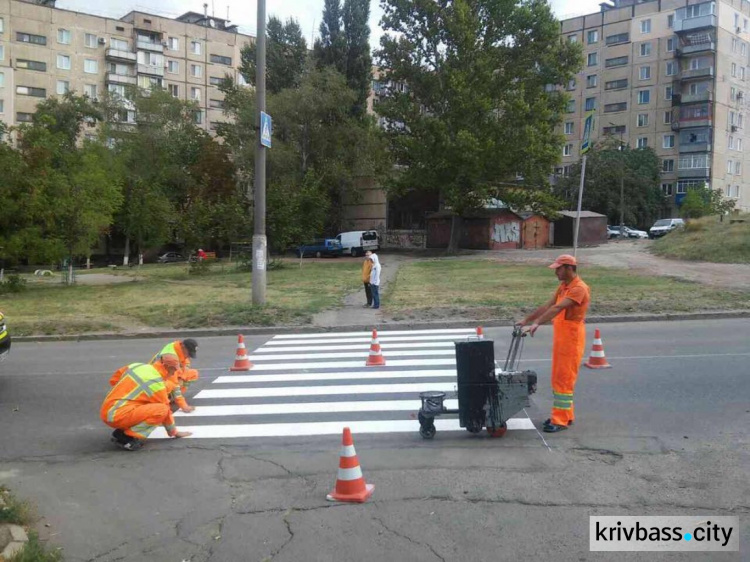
[(266, 128), (588, 125)]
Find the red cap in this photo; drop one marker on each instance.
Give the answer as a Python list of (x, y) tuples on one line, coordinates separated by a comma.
[(564, 259)]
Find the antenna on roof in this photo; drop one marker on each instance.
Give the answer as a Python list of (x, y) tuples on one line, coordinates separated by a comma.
[(205, 9)]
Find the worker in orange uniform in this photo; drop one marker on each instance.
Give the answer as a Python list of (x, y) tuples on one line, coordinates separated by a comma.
[(185, 350), (366, 269), (139, 402), (567, 311)]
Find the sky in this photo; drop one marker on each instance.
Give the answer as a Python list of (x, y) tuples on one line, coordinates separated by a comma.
[(243, 12)]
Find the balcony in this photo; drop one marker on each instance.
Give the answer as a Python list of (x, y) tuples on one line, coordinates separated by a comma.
[(151, 70), (694, 73), (149, 46), (694, 173), (707, 47), (690, 123), (693, 24), (695, 147), (696, 98), (121, 56), (112, 78)]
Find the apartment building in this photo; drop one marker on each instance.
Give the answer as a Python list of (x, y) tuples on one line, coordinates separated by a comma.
[(46, 51), (673, 75)]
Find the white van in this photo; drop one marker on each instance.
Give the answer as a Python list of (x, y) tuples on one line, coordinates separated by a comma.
[(664, 226), (356, 243)]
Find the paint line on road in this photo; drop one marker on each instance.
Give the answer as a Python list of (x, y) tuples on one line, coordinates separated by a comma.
[(350, 364), (309, 408), (333, 335), (368, 338), (264, 392), (322, 428), (348, 355), (355, 347), (342, 375)]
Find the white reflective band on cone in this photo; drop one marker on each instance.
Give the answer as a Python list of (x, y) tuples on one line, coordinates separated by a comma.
[(348, 451), (597, 354), (350, 473)]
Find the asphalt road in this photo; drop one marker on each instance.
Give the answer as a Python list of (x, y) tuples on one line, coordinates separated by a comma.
[(664, 432)]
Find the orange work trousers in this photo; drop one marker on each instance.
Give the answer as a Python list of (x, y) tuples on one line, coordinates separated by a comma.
[(139, 420), (568, 347)]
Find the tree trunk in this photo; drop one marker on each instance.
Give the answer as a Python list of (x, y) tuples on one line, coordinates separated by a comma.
[(126, 257), (69, 280), (455, 234)]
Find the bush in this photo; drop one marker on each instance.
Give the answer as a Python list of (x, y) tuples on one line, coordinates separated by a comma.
[(199, 267), (12, 510), (13, 284)]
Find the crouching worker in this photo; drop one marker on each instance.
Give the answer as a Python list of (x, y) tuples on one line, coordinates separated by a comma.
[(185, 350), (139, 402)]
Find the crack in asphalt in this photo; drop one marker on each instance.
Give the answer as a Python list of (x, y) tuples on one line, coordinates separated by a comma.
[(408, 538), (289, 530), (110, 551)]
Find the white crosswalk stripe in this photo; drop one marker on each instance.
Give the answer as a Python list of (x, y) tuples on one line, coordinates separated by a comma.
[(316, 384)]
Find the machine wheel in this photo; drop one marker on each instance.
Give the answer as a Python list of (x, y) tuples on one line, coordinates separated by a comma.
[(318, 255), (498, 431), (474, 426), (354, 252), (427, 431)]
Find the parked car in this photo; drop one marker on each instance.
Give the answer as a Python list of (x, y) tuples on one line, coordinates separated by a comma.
[(319, 248), (634, 233), (357, 242), (170, 257), (4, 338), (664, 226), (613, 231)]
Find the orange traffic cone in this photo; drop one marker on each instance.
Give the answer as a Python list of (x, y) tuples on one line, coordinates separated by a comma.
[(597, 360), (480, 333), (350, 484), (241, 360), (375, 359)]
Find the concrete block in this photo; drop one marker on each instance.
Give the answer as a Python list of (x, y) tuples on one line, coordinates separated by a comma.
[(18, 533), (12, 549)]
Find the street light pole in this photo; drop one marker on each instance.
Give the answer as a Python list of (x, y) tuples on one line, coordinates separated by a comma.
[(260, 243), (621, 149)]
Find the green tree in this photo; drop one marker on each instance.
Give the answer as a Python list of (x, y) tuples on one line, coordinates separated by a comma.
[(330, 49), (286, 53), (358, 58), (476, 110), (609, 166), (703, 201)]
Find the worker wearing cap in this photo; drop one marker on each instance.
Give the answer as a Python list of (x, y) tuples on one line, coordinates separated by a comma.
[(185, 350), (567, 311), (139, 402)]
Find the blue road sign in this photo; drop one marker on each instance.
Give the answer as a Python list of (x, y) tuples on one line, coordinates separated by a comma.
[(266, 129), (588, 126)]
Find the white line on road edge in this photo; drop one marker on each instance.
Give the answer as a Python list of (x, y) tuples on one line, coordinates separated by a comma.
[(349, 355), (334, 335), (264, 392), (309, 408), (364, 346), (345, 375), (351, 364), (368, 339), (321, 428)]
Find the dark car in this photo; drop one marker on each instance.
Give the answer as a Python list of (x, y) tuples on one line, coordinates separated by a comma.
[(170, 257), (319, 248)]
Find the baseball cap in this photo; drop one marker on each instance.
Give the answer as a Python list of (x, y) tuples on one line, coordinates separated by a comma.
[(565, 259)]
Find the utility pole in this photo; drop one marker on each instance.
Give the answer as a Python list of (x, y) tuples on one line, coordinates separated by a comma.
[(621, 150), (260, 243)]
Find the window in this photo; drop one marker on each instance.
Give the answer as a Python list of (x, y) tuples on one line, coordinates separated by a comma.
[(90, 90), (744, 24), (2, 52), (173, 67), (616, 84), (174, 44), (151, 59), (592, 36), (645, 49), (119, 44), (590, 104), (117, 90), (120, 69), (643, 119), (573, 38), (592, 59), (646, 26), (617, 61), (63, 36), (591, 81), (738, 168), (734, 70), (615, 107), (737, 21), (571, 107), (692, 161), (63, 62), (198, 117), (739, 145), (218, 59), (63, 86), (730, 166), (742, 73), (215, 81), (644, 96), (667, 117), (743, 49), (734, 44), (174, 90), (24, 117), (731, 117), (2, 79), (645, 73), (568, 150), (670, 45), (31, 65), (670, 21), (196, 70), (90, 66), (642, 142), (668, 141), (30, 38), (195, 47), (90, 40), (216, 104), (29, 91), (571, 84), (569, 128), (667, 165), (666, 189), (671, 68), (2, 107), (617, 39), (615, 130), (195, 94), (668, 93), (148, 82), (740, 120), (2, 25)]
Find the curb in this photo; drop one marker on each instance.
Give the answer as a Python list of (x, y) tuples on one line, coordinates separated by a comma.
[(12, 539), (266, 330)]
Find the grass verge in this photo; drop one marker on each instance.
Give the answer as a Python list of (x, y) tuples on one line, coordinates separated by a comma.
[(489, 289), (13, 510), (168, 296), (710, 240), (35, 551)]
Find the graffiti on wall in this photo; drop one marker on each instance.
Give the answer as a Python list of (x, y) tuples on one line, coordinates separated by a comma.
[(506, 232)]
